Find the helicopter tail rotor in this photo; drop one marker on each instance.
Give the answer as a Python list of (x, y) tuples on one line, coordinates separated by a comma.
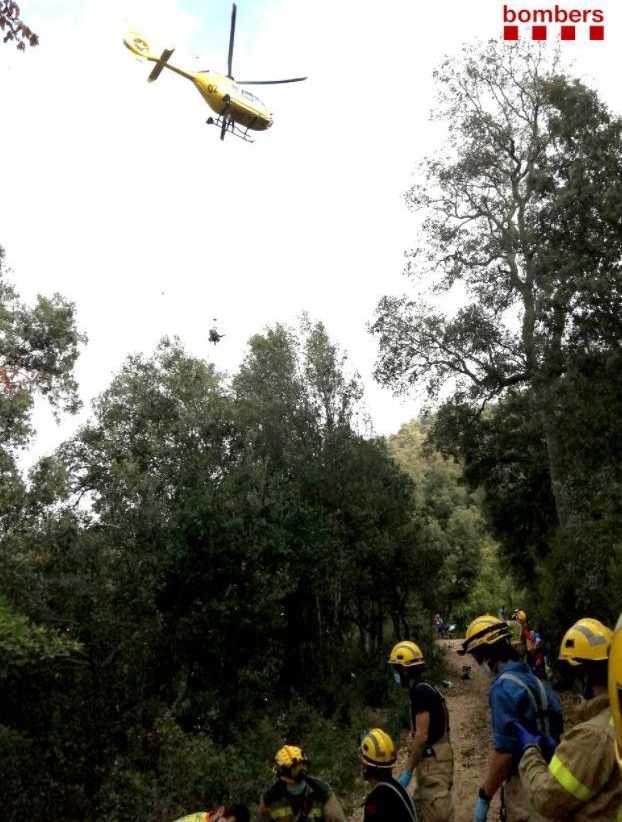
[(136, 43), (162, 61)]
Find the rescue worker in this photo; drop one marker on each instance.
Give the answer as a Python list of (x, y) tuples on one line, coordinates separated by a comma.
[(387, 800), (582, 781), (296, 796), (226, 813), (537, 657), (517, 626), (431, 754), (615, 693), (615, 687), (515, 695)]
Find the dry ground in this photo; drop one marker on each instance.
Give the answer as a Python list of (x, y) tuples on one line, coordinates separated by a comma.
[(467, 702), (470, 733)]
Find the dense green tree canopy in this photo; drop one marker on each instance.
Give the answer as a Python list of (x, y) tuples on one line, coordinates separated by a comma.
[(523, 228), (504, 452), (524, 213), (234, 556), (38, 350)]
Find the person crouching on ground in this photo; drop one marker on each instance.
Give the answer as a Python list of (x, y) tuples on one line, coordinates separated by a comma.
[(387, 800), (515, 695), (431, 754), (296, 796)]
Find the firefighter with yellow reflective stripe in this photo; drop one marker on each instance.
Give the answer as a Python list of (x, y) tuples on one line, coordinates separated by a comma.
[(582, 781), (296, 796), (615, 694)]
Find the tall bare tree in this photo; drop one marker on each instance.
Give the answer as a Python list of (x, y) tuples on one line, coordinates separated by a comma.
[(523, 213)]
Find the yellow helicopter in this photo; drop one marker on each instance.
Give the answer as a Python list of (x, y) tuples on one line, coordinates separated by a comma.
[(237, 110)]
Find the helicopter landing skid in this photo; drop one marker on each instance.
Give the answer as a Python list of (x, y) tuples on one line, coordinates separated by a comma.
[(227, 125)]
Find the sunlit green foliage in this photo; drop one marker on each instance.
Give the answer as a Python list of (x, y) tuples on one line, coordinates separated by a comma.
[(449, 525)]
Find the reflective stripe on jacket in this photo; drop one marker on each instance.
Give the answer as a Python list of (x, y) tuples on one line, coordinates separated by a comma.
[(582, 781), (285, 812)]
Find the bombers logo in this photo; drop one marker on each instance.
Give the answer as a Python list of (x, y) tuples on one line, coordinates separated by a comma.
[(565, 20)]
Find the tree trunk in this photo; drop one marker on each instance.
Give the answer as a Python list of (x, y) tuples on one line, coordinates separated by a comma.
[(554, 448)]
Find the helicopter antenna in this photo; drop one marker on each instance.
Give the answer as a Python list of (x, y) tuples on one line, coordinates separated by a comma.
[(231, 37)]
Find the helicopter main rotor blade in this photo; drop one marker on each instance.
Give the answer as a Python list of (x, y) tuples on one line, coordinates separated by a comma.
[(231, 36), (268, 82)]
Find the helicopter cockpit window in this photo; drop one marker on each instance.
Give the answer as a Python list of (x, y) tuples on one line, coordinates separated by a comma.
[(252, 98)]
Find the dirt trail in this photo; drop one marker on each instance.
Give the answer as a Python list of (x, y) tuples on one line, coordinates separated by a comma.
[(467, 702)]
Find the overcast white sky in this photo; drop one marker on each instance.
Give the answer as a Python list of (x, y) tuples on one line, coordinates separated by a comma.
[(117, 195)]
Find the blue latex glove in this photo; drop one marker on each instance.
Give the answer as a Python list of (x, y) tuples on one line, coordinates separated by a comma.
[(547, 746), (524, 738), (404, 778), (481, 810)]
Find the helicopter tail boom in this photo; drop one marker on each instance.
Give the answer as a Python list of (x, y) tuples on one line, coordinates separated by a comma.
[(161, 63)]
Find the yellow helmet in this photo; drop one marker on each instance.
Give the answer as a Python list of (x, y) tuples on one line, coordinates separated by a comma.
[(407, 654), (290, 763), (587, 641), (377, 749), (484, 630), (519, 616), (615, 686)]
